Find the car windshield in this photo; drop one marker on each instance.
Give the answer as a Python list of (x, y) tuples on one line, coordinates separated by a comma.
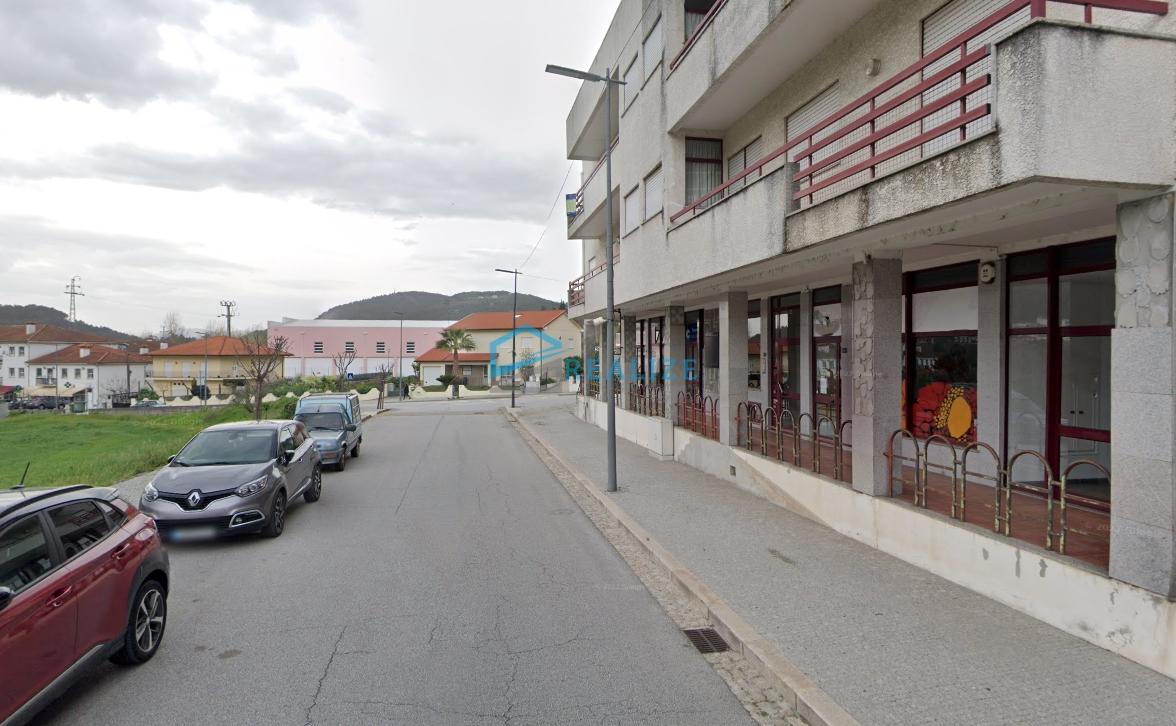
[(233, 446), (329, 420)]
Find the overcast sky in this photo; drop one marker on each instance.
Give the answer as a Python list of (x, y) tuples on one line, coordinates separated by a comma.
[(288, 154)]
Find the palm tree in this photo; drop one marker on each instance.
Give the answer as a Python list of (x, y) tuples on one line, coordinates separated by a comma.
[(455, 340)]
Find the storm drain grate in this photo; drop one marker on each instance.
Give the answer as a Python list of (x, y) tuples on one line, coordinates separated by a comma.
[(707, 640)]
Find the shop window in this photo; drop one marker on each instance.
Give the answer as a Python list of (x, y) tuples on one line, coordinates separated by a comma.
[(940, 353), (786, 354), (826, 332), (754, 337)]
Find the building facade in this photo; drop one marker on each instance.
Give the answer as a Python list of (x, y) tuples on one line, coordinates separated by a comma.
[(314, 344), (102, 373), (20, 344), (913, 246), (215, 365), (542, 340)]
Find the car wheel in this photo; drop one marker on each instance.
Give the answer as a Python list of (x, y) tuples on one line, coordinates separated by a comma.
[(144, 626), (355, 451), (342, 464), (315, 490), (276, 523)]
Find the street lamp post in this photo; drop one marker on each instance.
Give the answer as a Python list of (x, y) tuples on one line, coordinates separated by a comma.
[(514, 322), (399, 361), (608, 82)]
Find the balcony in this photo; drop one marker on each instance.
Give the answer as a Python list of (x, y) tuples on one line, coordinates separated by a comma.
[(587, 293), (743, 50), (985, 128), (589, 222)]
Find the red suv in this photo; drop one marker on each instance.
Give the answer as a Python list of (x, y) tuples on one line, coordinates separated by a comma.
[(83, 577)]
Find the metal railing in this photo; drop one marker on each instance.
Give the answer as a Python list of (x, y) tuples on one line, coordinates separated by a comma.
[(775, 432), (646, 399), (916, 463), (893, 118), (591, 175), (698, 31), (698, 413), (576, 287)]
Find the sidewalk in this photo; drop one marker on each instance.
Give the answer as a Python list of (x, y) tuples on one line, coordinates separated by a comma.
[(887, 641)]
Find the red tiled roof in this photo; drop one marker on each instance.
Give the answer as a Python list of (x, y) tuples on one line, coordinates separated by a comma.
[(99, 355), (220, 345), (440, 355), (538, 319), (47, 334)]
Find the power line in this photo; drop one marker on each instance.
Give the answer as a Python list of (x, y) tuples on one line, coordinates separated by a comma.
[(228, 315), (547, 225)]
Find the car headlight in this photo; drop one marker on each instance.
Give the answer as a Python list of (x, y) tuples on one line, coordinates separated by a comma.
[(150, 493), (325, 444), (253, 487)]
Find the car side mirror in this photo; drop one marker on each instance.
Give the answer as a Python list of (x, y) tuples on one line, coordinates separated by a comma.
[(350, 427), (171, 458), (287, 456), (6, 595)]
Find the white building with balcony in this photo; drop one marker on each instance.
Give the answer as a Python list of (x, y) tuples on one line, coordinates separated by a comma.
[(905, 266)]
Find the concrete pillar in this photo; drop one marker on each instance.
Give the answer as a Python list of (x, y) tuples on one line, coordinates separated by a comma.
[(732, 363), (877, 368), (1143, 520), (628, 356), (990, 343), (591, 364), (674, 340), (806, 359)]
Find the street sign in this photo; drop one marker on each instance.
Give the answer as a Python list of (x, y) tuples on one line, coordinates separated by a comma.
[(350, 376)]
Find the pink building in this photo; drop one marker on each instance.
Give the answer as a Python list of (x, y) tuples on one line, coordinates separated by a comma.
[(314, 343)]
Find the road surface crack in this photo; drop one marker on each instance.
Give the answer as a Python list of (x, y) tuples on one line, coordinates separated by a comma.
[(323, 677)]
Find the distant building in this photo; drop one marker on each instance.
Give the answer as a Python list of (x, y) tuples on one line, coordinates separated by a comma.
[(22, 343), (99, 371), (543, 338), (314, 343), (179, 370)]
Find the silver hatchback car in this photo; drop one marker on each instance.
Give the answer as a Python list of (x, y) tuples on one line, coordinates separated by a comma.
[(234, 478)]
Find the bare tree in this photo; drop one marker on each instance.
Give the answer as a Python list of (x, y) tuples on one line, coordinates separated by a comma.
[(382, 372), (260, 363), (172, 328), (342, 361)]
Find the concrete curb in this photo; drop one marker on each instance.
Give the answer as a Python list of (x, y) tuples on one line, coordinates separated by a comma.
[(806, 698)]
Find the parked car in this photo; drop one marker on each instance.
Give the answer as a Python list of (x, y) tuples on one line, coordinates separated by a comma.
[(83, 577), (234, 478), (150, 403), (333, 436), (348, 404)]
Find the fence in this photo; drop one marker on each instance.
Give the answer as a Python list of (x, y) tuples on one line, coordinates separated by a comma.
[(959, 468), (698, 413), (646, 399), (802, 440)]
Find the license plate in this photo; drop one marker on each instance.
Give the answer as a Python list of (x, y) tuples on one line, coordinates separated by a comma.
[(191, 534)]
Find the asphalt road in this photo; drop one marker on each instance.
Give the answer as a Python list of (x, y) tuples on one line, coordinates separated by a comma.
[(445, 578)]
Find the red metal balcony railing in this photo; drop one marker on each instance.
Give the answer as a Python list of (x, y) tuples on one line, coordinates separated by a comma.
[(923, 110), (698, 31), (576, 287)]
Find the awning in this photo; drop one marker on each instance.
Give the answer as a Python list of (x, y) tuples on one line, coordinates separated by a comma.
[(59, 390)]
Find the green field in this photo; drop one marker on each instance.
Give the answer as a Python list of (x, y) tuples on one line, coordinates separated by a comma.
[(99, 449)]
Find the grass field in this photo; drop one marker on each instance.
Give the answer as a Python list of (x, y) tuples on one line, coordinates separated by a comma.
[(98, 449)]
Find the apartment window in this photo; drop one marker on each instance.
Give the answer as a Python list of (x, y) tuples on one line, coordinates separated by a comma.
[(77, 372), (741, 159), (21, 352), (318, 346), (410, 347), (696, 12), (653, 193), (11, 371), (632, 210), (65, 373), (20, 372), (803, 122), (380, 348), (632, 82), (90, 373), (467, 371), (12, 350), (39, 375), (652, 48), (704, 167), (349, 346)]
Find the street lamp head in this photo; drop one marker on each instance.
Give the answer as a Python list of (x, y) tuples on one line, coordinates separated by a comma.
[(509, 272), (582, 75)]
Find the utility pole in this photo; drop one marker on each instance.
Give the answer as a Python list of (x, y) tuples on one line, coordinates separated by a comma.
[(74, 291), (514, 321), (228, 315)]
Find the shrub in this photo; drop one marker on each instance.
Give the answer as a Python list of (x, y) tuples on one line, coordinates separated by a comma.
[(436, 389), (477, 388), (281, 408)]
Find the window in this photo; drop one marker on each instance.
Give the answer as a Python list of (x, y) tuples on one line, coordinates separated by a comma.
[(696, 12), (39, 375), (632, 210), (12, 350), (651, 49), (21, 350), (77, 372), (20, 372), (299, 437), (79, 526), (12, 372), (786, 354), (318, 346), (113, 515), (90, 373), (24, 553), (65, 373), (803, 122), (467, 370), (942, 312), (826, 353), (349, 346), (286, 441), (704, 168), (380, 348), (632, 82), (653, 193), (754, 328), (410, 347), (740, 160)]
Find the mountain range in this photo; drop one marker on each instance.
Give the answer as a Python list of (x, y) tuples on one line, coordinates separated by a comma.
[(52, 316), (416, 305)]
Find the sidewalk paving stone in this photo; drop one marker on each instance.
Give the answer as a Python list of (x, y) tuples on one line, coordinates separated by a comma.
[(891, 643)]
